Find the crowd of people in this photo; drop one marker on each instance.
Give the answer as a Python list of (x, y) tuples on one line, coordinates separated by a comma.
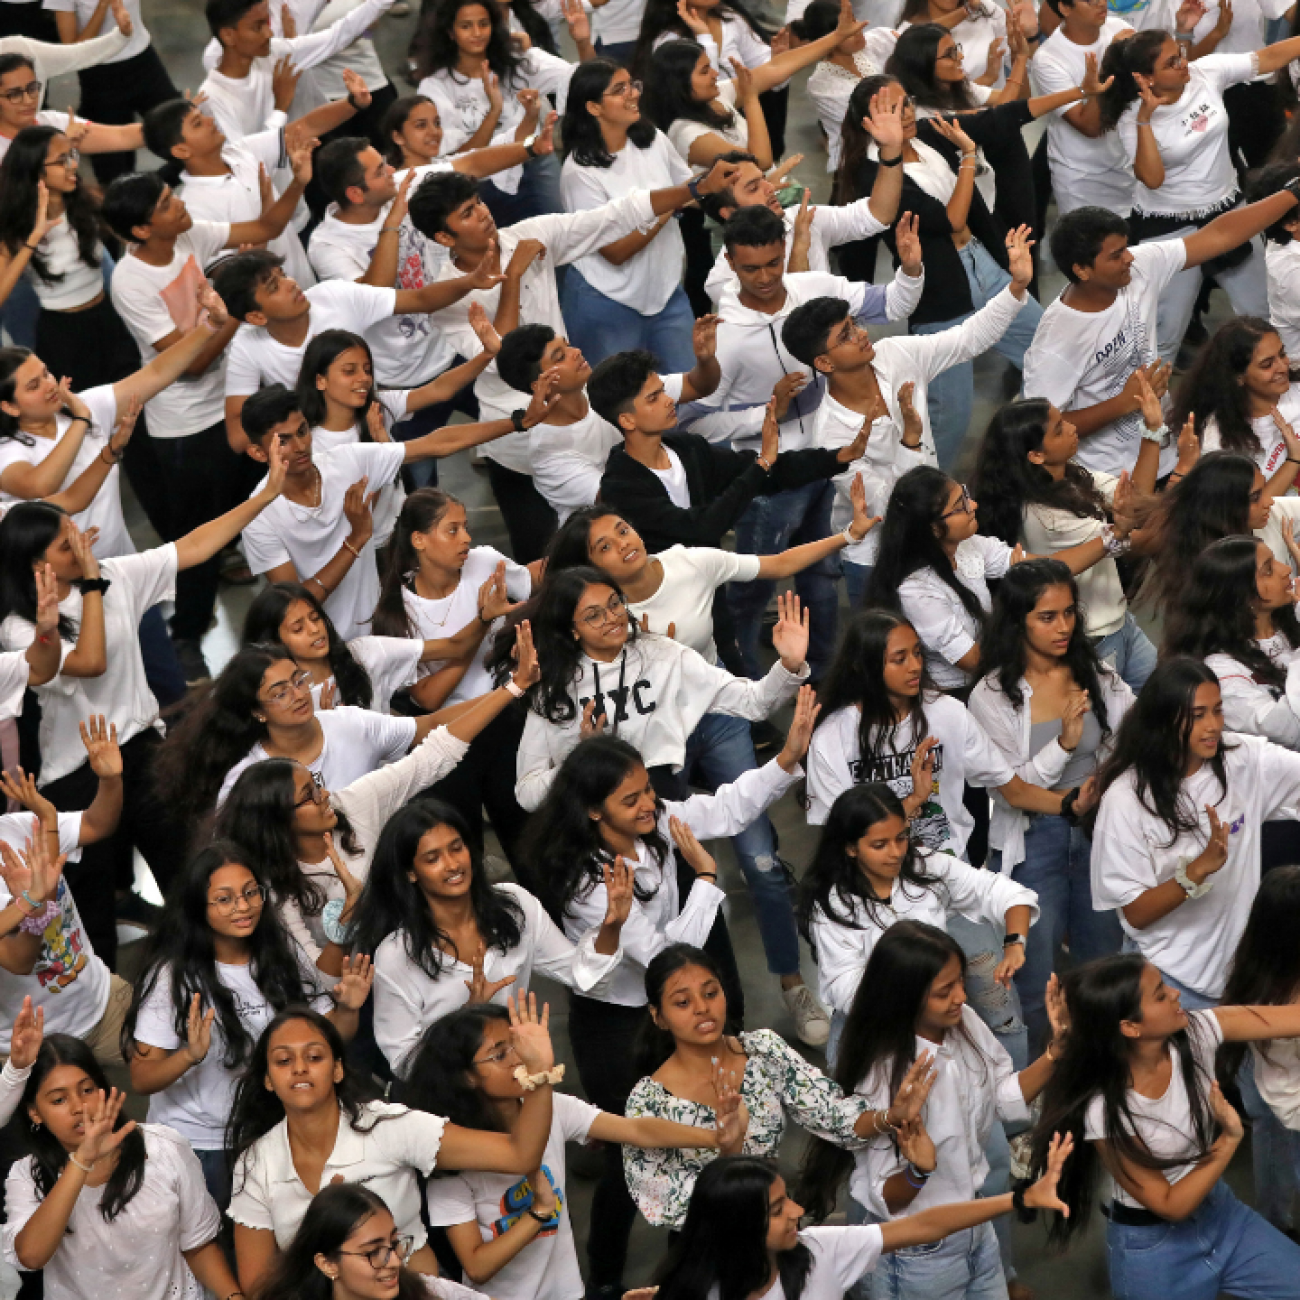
[(1042, 724)]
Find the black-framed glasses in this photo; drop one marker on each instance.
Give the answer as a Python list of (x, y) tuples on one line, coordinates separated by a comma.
[(955, 53), (380, 1255), (32, 90), (496, 1058), (314, 792), (69, 159), (626, 89), (962, 509), (227, 902), (616, 606), (300, 681)]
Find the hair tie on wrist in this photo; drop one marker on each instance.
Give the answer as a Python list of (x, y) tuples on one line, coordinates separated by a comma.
[(530, 1082), (1023, 1212)]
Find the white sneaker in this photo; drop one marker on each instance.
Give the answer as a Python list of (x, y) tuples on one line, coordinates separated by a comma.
[(811, 1022)]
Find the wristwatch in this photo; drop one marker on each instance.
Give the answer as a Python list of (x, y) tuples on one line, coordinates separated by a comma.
[(528, 145), (1189, 886), (517, 419), (1009, 939)]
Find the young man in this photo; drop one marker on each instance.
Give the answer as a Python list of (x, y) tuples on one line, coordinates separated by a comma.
[(1281, 256), (1102, 328), (251, 82), (756, 365), (186, 475), (885, 385), (319, 532), (567, 453), (446, 208)]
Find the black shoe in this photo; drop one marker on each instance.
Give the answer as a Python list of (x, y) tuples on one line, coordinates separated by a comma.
[(189, 654), (131, 909), (1011, 381)]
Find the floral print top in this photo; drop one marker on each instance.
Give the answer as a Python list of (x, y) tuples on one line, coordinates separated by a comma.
[(777, 1081)]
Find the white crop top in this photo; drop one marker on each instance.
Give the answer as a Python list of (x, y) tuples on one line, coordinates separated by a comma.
[(80, 283)]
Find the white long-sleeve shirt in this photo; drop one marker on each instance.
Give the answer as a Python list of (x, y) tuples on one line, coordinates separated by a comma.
[(1254, 708), (50, 61), (653, 696)]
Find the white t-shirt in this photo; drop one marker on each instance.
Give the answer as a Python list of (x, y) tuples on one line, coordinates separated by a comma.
[(391, 663), (308, 537), (121, 694), (683, 133), (568, 460), (964, 755), (78, 282), (674, 480), (1270, 454), (1283, 263), (155, 301), (354, 742), (1080, 359), (547, 1268), (1192, 135), (198, 1104), (45, 117), (840, 1257), (1164, 1124), (138, 1254), (255, 358), (433, 619), (84, 9), (105, 511), (647, 280), (975, 35), (691, 576)]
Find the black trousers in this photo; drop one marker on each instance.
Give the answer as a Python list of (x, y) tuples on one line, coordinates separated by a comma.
[(92, 347), (116, 94), (529, 520), (32, 20), (699, 259)]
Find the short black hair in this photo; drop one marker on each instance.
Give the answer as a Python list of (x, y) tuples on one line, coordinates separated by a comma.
[(337, 165), (520, 360), (807, 329), (436, 198), (712, 204), (130, 201), (237, 279), (615, 383), (1264, 184), (1079, 235), (162, 126), (225, 13), (266, 408), (753, 227)]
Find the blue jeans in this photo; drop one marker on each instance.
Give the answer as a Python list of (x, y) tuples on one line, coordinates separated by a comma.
[(856, 577), (1224, 1246), (599, 326), (622, 51), (964, 1266), (1057, 868), (718, 751), (951, 394), (772, 524), (997, 1007), (18, 314), (1129, 652), (216, 1176), (538, 193)]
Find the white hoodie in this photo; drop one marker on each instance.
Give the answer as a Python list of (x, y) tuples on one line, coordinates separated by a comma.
[(654, 695)]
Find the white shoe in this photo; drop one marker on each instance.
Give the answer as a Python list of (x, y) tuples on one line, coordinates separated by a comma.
[(811, 1022)]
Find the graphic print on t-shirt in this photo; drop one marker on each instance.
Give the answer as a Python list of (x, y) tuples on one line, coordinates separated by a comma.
[(930, 825), (63, 947), (1130, 349), (181, 296), (517, 1201)]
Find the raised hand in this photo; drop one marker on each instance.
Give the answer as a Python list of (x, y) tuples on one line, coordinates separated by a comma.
[(916, 1146), (1226, 1115), (781, 41), (100, 740), (211, 303), (20, 786), (670, 632), (122, 18), (907, 239), (704, 337), (482, 989), (358, 91), (354, 984), (697, 856), (1215, 853), (848, 26), (914, 1091), (799, 737), (493, 598), (863, 520), (790, 635), (1153, 415), (731, 1115), (488, 274), (997, 48), (691, 17), (545, 395), (71, 403), (592, 723), (1092, 85), (375, 424), (578, 21), (527, 251), (1058, 1012), (951, 131), (43, 224), (531, 1033), (780, 174), (531, 102), (356, 510), (784, 390), (744, 80), (1224, 23), (1147, 97), (1042, 1194), (47, 600), (351, 885), (619, 893), (329, 693), (492, 88), (284, 83), (913, 428), (1019, 261), (1078, 703), (1189, 446), (277, 470), (299, 145), (198, 1030), (28, 1034), (99, 1138), (1288, 536), (801, 237), (884, 119), (484, 330), (718, 177), (397, 213), (124, 427), (922, 776)]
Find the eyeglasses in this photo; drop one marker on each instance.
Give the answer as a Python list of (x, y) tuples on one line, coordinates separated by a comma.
[(626, 90), (963, 509), (300, 681), (399, 1246), (615, 609), (227, 903), (315, 792), (497, 1057), (954, 53), (69, 159), (32, 90)]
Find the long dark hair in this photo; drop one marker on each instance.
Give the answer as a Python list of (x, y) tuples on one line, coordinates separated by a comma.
[(27, 531), (182, 951), (1002, 652), (880, 1034), (1214, 614), (335, 1213), (912, 63), (420, 512), (48, 1156), (834, 880), (21, 172), (667, 97), (1121, 60), (441, 1076), (322, 352), (580, 131), (214, 735), (433, 48), (570, 547), (262, 627), (1212, 388), (855, 138), (1005, 481), (654, 1045), (1095, 1062), (392, 903), (661, 16), (908, 542), (394, 120), (563, 842), (722, 1247), (1152, 743)]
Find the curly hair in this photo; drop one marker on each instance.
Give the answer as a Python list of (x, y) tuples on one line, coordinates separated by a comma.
[(1122, 59)]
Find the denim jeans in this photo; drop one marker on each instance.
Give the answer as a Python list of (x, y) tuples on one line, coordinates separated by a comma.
[(1223, 1246), (538, 193), (622, 51), (964, 1266), (717, 752), (599, 326), (1057, 868), (18, 315), (951, 394), (216, 1176), (772, 524), (856, 577), (1129, 652), (997, 1007)]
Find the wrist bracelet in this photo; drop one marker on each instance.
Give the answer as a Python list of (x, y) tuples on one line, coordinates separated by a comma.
[(514, 688), (531, 1082), (1155, 435), (1112, 544), (914, 1178), (922, 1174), (543, 1219), (1291, 460), (355, 553), (707, 875), (390, 230), (85, 1169), (890, 162), (331, 921), (765, 464), (850, 540), (31, 248), (36, 922), (84, 419)]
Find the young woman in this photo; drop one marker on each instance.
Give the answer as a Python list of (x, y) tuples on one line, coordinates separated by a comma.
[(1051, 708), (742, 1236), (301, 1118), (725, 29), (412, 132), (466, 1068), (1032, 490), (603, 809), (691, 1061), (983, 33), (836, 74), (108, 678), (1176, 848), (1243, 397), (1135, 1089), (313, 847), (935, 565), (444, 935), (103, 1203), (654, 691), (218, 968), (937, 1157)]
